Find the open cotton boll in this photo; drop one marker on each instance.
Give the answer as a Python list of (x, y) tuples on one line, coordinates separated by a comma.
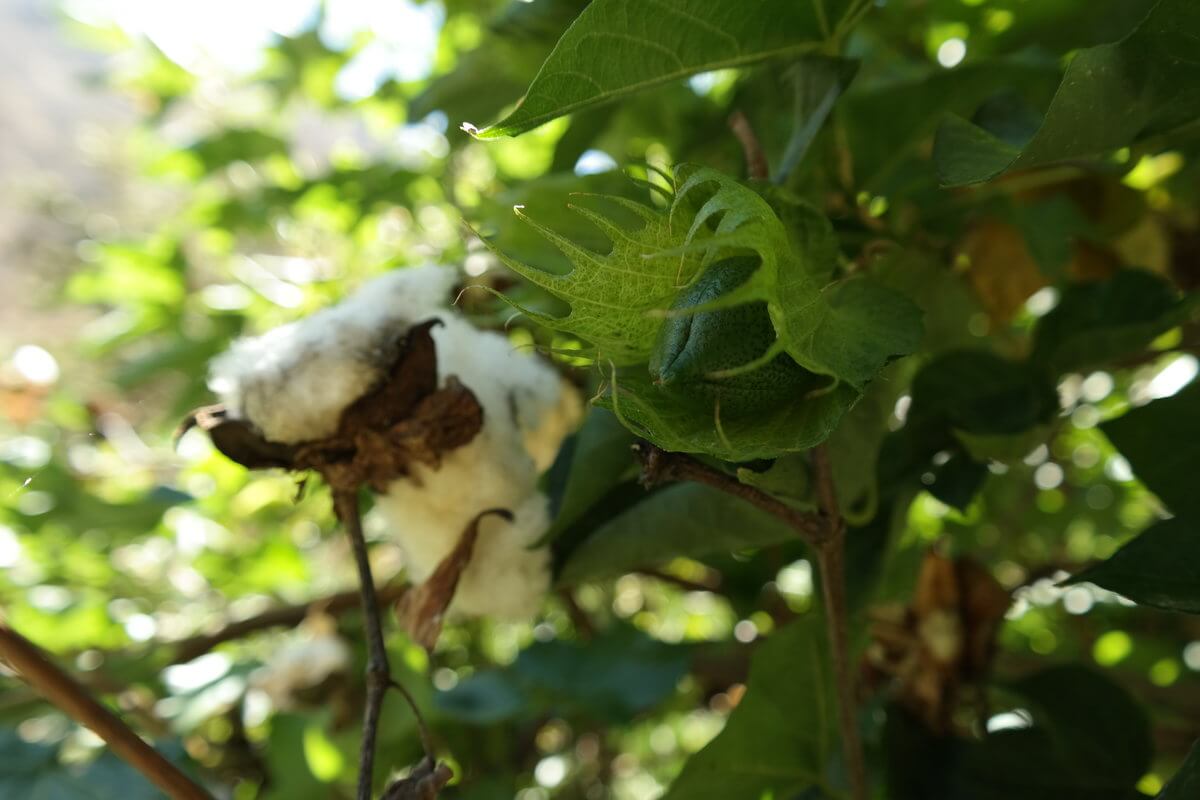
[(306, 660), (528, 409), (294, 381)]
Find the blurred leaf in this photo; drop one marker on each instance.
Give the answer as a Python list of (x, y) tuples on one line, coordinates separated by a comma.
[(1186, 783), (1162, 443), (779, 739), (495, 73), (684, 520), (1111, 96), (612, 677), (1089, 741), (32, 771), (1095, 323), (908, 107), (660, 42), (236, 144), (1158, 568), (819, 82), (592, 462)]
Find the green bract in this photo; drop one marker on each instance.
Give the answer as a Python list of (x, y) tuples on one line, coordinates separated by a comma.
[(694, 351)]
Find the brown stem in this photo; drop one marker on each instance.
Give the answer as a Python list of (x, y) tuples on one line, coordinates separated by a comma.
[(659, 466), (825, 533), (65, 693), (756, 159), (831, 561), (282, 617), (345, 504)]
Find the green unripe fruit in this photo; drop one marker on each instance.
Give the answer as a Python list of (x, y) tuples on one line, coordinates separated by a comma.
[(691, 348)]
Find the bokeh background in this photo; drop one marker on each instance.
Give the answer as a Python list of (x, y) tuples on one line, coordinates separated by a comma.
[(175, 174)]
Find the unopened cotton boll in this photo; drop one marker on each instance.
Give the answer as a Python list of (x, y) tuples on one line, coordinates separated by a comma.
[(293, 382), (306, 660)]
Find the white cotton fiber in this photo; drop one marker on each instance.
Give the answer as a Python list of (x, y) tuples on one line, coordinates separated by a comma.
[(294, 382), (309, 656)]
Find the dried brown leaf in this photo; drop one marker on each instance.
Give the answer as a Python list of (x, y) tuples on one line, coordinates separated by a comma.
[(422, 610)]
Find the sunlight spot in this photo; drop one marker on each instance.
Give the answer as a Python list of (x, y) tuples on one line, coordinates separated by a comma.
[(593, 162), (550, 771), (952, 52), (1015, 720), (35, 365)]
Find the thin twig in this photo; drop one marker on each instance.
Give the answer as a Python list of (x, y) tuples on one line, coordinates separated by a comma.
[(65, 693), (756, 159), (659, 466), (282, 617), (345, 504), (831, 561)]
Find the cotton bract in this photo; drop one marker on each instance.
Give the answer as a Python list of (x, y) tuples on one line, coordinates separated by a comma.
[(293, 383)]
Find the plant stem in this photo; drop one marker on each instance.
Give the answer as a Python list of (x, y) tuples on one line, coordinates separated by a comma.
[(825, 532), (345, 504), (831, 561), (756, 159), (281, 617), (65, 693), (659, 466)]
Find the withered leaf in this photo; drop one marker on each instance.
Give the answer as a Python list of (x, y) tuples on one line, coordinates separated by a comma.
[(943, 643), (237, 439), (422, 610), (426, 780)]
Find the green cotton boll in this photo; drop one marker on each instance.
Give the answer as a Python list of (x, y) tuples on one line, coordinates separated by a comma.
[(692, 347)]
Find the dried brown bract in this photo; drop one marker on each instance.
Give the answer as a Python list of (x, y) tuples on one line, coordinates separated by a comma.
[(941, 645)]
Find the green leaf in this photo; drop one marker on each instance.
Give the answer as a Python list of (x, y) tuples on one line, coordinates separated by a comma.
[(683, 520), (1095, 323), (594, 461), (613, 677), (1089, 740), (1099, 731), (819, 82), (1186, 783), (982, 393), (495, 73), (706, 428), (1111, 96), (778, 741), (1162, 443), (616, 47), (1161, 568)]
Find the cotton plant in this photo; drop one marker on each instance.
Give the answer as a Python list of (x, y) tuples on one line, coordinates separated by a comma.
[(450, 426)]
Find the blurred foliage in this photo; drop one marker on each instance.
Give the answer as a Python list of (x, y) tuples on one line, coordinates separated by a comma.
[(1043, 421)]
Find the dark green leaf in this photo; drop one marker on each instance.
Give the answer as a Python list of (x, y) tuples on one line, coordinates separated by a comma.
[(1162, 442), (1095, 323), (1161, 567), (612, 677), (1186, 783), (685, 520), (779, 740), (1111, 96), (616, 47)]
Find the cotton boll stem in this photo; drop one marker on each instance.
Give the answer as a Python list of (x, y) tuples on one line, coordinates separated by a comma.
[(379, 676)]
